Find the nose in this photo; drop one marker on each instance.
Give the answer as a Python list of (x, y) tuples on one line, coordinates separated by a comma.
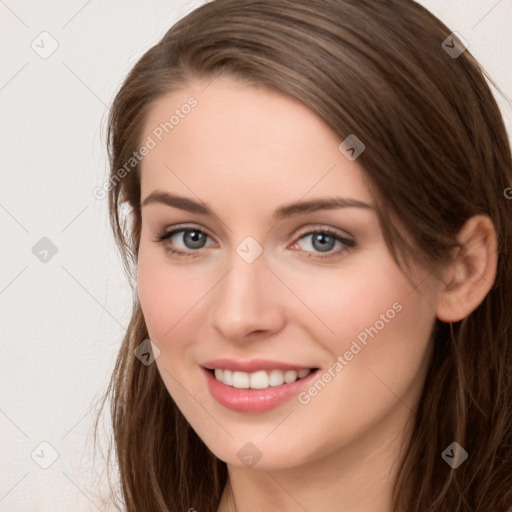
[(248, 302)]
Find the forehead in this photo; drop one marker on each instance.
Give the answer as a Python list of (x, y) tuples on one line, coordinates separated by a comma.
[(227, 140)]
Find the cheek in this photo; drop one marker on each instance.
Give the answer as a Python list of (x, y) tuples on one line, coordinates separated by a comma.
[(362, 301), (383, 358), (171, 297), (360, 297), (374, 319), (383, 327), (161, 294)]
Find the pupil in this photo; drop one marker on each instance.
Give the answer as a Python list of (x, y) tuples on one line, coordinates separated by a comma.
[(326, 242), (195, 238)]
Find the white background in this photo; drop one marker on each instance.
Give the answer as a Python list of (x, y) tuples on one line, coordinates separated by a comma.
[(63, 320)]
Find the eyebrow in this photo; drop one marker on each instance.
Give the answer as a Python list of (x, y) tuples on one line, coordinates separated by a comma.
[(288, 210)]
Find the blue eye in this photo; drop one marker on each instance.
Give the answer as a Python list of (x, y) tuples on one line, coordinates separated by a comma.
[(192, 239), (323, 241)]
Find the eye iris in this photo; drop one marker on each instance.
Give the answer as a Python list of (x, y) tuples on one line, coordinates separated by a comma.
[(194, 239), (326, 242)]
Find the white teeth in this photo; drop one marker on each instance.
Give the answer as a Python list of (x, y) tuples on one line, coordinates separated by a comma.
[(240, 380), (260, 379), (227, 378), (290, 376), (276, 378)]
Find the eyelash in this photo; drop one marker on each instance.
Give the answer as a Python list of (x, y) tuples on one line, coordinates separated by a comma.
[(348, 243)]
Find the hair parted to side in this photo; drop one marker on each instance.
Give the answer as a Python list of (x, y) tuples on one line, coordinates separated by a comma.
[(437, 153)]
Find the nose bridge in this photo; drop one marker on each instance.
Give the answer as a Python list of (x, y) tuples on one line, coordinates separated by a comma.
[(245, 299)]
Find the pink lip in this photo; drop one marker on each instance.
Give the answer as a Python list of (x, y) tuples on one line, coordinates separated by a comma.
[(254, 365), (254, 400)]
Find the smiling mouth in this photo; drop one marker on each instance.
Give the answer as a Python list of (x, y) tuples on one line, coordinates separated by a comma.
[(262, 379)]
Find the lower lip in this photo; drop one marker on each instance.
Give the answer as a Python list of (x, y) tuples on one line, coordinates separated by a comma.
[(254, 400)]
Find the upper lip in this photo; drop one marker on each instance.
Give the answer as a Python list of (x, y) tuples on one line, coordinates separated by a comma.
[(252, 365)]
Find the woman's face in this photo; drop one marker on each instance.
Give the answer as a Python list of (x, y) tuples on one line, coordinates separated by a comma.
[(271, 286)]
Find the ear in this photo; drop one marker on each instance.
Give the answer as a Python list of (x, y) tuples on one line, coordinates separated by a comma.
[(471, 274)]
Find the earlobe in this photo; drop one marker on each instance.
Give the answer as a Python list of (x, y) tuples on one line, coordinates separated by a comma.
[(471, 275)]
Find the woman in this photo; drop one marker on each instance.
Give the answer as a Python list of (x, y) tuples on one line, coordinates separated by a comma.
[(317, 224)]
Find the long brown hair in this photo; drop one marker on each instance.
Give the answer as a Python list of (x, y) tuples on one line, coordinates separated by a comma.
[(437, 153)]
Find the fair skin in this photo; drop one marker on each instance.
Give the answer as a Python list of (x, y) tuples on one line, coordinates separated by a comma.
[(245, 152)]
